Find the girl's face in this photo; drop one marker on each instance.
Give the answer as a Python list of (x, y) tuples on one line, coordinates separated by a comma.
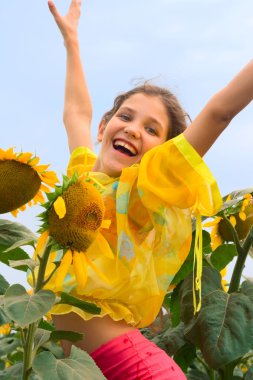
[(140, 124)]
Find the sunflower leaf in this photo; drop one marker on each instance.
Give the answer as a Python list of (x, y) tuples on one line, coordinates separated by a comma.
[(83, 305), (12, 232), (29, 263), (3, 285), (15, 254), (224, 321), (223, 255), (12, 373), (8, 344), (65, 335), (78, 365), (21, 243), (23, 308)]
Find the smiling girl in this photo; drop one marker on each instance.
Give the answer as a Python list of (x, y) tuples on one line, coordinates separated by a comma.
[(154, 179)]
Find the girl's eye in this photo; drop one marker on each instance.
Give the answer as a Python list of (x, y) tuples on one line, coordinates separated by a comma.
[(124, 117), (151, 131)]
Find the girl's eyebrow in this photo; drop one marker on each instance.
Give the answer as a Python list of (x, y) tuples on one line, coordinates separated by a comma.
[(131, 110)]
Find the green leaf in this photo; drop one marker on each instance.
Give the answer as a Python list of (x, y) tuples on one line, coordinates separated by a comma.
[(196, 374), (29, 263), (223, 329), (211, 280), (65, 335), (41, 337), (12, 232), (24, 308), (3, 285), (3, 317), (249, 374), (12, 373), (16, 356), (247, 289), (79, 365), (16, 254), (8, 344), (45, 325), (223, 255), (172, 339), (21, 243), (187, 267), (54, 348), (185, 356), (73, 301), (175, 307)]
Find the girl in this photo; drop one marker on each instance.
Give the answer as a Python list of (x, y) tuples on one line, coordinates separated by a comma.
[(154, 177)]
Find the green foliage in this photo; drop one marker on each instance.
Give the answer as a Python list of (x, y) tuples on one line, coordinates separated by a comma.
[(223, 329), (12, 373), (3, 285), (8, 344), (72, 368), (83, 305), (12, 232), (23, 308), (223, 255)]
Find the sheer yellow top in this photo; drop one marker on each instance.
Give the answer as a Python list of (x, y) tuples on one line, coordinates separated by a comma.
[(150, 207)]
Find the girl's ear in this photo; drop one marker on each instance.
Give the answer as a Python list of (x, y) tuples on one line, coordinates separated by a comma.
[(101, 129)]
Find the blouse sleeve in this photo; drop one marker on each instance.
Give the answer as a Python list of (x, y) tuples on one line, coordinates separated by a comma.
[(81, 160), (174, 174)]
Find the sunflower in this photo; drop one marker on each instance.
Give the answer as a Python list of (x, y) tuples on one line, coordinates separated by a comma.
[(22, 181), (241, 219), (73, 218), (5, 329)]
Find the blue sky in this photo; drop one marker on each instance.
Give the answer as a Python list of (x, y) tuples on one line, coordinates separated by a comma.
[(194, 47)]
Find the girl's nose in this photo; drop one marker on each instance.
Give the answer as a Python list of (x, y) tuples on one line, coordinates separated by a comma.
[(132, 130)]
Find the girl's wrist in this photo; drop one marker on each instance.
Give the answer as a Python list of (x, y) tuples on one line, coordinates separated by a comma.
[(71, 42)]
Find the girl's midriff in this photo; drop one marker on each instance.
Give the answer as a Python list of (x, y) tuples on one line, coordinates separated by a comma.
[(97, 331)]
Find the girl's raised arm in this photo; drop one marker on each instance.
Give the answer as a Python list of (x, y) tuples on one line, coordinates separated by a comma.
[(220, 110), (77, 112)]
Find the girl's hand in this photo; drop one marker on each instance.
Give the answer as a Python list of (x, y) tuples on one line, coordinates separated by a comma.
[(67, 24)]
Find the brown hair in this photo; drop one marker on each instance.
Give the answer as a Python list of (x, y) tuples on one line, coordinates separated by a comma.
[(176, 115)]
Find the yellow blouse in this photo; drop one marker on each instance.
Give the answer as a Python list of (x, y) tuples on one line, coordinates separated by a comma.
[(150, 207)]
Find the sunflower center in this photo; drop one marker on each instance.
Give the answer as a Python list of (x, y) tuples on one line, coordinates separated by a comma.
[(84, 215), (19, 183)]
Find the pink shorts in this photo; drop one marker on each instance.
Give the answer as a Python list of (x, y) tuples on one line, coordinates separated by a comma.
[(133, 357)]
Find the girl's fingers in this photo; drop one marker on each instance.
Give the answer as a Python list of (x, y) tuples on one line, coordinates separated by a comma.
[(53, 9)]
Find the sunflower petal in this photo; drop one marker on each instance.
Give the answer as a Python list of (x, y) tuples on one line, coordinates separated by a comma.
[(80, 269), (14, 213), (24, 157), (242, 215), (232, 220), (41, 243), (63, 269), (41, 168), (60, 207), (34, 161)]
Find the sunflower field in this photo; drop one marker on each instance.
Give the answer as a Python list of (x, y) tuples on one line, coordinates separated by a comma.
[(214, 343)]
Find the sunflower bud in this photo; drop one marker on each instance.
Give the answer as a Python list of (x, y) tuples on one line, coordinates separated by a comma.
[(242, 225), (22, 181)]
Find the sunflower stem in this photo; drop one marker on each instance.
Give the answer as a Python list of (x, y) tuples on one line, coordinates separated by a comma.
[(28, 349), (239, 265), (51, 275), (29, 339), (234, 234), (42, 267)]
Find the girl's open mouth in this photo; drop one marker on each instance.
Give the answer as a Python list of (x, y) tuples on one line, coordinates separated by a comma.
[(125, 148)]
